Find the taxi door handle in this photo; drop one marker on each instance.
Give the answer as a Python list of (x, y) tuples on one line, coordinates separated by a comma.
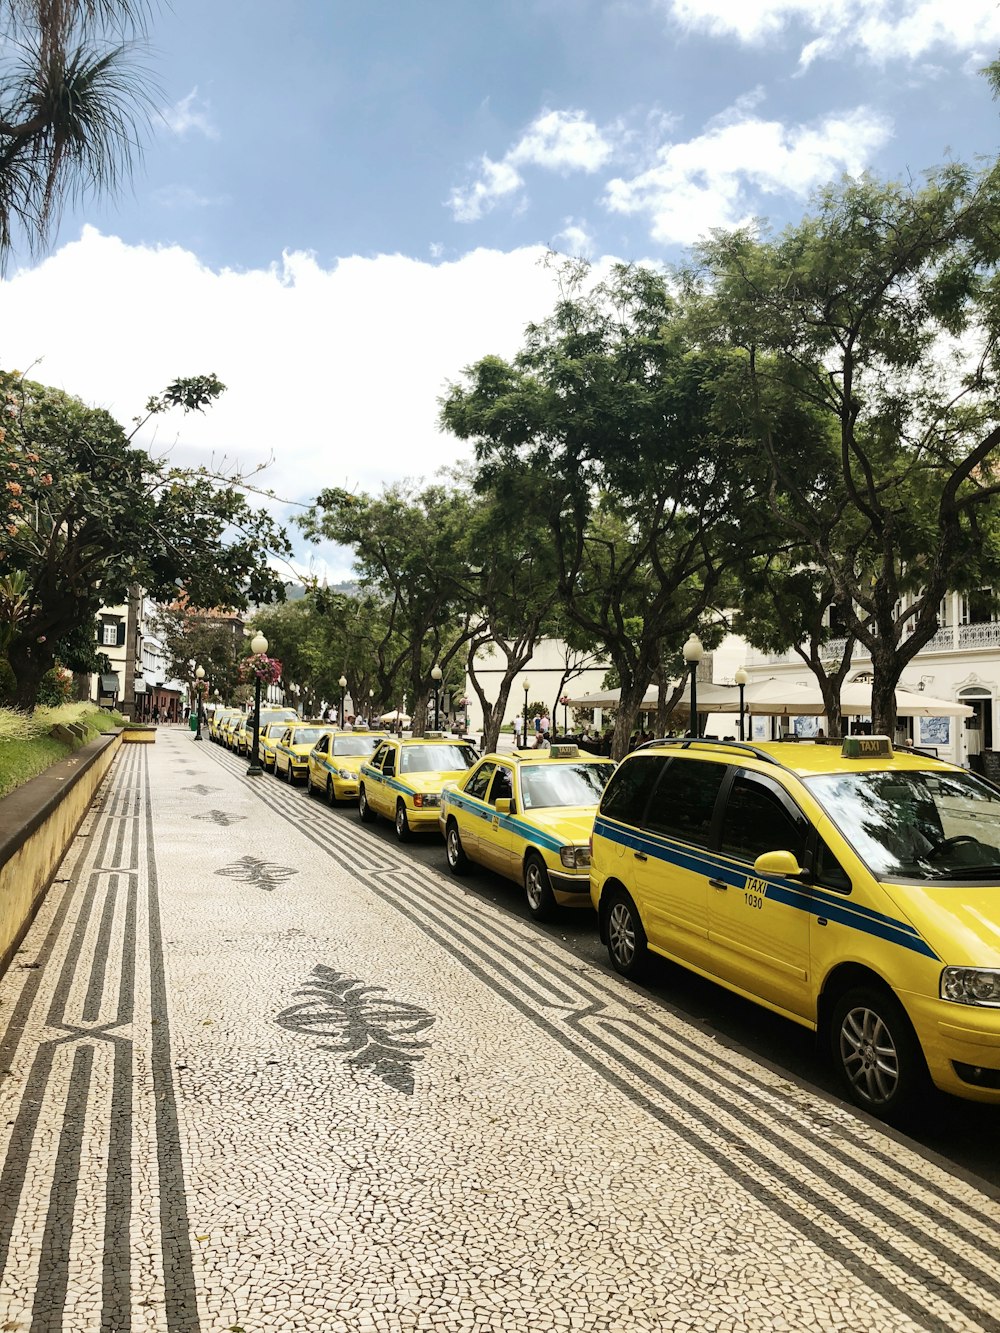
[(640, 856), (718, 884)]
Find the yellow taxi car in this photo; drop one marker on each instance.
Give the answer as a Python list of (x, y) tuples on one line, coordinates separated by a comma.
[(228, 726), (528, 816), (854, 889), (335, 763), (268, 738), (404, 777), (218, 720), (291, 752)]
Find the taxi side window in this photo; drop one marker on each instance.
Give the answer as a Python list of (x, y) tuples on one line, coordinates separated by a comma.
[(379, 756), (628, 791), (683, 804), (828, 871), (389, 760), (502, 786), (322, 744), (759, 819), (287, 736), (480, 780)]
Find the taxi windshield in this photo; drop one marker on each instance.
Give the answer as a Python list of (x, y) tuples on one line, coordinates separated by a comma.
[(563, 784), (436, 758), (305, 735), (913, 825), (355, 744)]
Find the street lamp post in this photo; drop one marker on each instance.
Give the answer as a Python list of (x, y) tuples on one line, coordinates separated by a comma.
[(343, 686), (565, 703), (436, 678), (741, 679), (694, 651), (524, 731), (199, 676), (371, 708), (258, 644)]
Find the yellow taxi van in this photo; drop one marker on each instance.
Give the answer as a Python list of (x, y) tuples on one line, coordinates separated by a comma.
[(850, 887)]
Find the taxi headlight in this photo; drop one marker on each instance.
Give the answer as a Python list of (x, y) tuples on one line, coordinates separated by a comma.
[(347, 775), (574, 858), (422, 802), (971, 985)]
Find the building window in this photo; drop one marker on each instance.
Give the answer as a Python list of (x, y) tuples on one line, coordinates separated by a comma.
[(109, 634)]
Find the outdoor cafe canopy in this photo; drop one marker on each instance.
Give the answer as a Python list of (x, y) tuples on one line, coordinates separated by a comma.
[(780, 698)]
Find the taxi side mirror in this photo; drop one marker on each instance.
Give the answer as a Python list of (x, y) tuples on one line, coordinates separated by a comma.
[(778, 863), (504, 805)]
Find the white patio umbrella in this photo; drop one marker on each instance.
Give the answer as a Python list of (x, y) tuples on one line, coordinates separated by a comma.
[(395, 716), (711, 698), (785, 698)]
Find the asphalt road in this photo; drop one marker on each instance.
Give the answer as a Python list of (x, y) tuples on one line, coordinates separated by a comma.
[(961, 1135)]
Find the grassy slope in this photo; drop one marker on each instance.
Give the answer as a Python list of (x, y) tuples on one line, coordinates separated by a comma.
[(23, 759)]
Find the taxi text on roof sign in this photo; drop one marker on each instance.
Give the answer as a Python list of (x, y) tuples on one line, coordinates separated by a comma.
[(866, 747)]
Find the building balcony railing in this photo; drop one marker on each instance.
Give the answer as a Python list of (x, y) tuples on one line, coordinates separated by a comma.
[(951, 638)]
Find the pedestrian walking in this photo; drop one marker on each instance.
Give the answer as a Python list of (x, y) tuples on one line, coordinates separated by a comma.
[(156, 713)]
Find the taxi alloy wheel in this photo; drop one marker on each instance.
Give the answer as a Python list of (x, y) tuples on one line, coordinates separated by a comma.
[(537, 889), (368, 815), (289, 775), (458, 862), (402, 827), (876, 1051), (331, 795), (626, 938)]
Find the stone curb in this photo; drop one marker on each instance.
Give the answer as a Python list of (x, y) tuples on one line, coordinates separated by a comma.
[(37, 823)]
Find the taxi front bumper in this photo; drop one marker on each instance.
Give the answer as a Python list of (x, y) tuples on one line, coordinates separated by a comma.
[(961, 1044), (570, 888)]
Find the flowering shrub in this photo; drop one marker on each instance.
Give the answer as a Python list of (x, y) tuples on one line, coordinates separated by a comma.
[(258, 666)]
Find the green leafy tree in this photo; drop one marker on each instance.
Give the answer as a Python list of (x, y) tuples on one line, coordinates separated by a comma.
[(213, 640), (405, 543), (98, 515), (74, 101), (605, 424), (876, 321)]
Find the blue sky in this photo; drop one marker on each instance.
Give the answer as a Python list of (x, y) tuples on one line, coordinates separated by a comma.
[(341, 205)]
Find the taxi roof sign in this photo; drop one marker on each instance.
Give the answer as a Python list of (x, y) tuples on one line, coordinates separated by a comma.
[(563, 751), (867, 747)]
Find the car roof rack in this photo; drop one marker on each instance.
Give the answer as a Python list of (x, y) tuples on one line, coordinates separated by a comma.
[(686, 742)]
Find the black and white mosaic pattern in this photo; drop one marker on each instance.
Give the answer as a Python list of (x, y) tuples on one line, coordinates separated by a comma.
[(450, 1128), (359, 1021)]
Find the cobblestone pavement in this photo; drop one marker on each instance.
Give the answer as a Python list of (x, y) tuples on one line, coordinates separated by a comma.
[(263, 1072)]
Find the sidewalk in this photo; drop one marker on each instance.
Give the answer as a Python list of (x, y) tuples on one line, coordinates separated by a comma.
[(265, 1072)]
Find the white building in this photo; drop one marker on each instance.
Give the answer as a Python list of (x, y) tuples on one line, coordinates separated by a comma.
[(553, 671), (961, 663)]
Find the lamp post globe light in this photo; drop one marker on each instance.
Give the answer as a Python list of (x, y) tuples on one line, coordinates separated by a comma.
[(436, 678), (694, 651), (741, 679), (371, 708), (526, 686), (199, 676), (343, 687), (258, 645)]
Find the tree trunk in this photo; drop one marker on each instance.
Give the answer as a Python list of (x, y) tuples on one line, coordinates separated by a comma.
[(886, 670), (628, 710), (29, 667)]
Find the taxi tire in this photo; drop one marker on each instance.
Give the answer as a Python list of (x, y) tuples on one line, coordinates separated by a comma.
[(870, 1014), (331, 795), (289, 775), (458, 862), (402, 827), (624, 926), (368, 815), (537, 886)]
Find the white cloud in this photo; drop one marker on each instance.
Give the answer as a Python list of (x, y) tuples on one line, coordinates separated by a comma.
[(497, 180), (335, 371), (575, 239), (714, 179), (883, 29), (191, 113), (184, 197), (561, 141)]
